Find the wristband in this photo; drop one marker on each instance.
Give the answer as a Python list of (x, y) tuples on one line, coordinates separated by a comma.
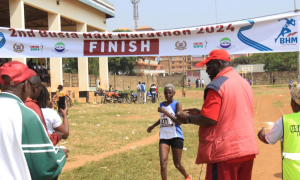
[(188, 120)]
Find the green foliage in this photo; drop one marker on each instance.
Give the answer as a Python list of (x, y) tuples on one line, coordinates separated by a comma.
[(285, 61), (93, 66), (281, 61), (121, 30), (75, 102), (70, 65), (121, 65)]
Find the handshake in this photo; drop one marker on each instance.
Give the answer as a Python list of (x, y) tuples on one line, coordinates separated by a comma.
[(182, 116)]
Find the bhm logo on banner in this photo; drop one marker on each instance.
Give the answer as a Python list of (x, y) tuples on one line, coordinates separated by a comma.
[(287, 33)]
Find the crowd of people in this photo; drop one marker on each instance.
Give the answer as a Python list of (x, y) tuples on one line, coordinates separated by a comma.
[(227, 142), (29, 128), (142, 93), (41, 71)]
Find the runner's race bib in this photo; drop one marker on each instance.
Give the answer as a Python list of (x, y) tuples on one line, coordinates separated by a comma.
[(165, 121)]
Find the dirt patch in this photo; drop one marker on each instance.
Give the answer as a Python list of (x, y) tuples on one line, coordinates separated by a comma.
[(81, 160)]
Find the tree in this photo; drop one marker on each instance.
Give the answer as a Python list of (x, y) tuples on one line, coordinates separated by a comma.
[(122, 30), (121, 65), (283, 61), (93, 66), (70, 65)]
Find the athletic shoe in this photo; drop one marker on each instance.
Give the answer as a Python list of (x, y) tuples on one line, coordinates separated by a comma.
[(189, 178)]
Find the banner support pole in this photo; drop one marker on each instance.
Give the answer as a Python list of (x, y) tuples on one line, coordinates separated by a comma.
[(298, 66)]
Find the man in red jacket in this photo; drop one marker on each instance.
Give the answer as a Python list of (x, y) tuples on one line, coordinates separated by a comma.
[(226, 134), (33, 104)]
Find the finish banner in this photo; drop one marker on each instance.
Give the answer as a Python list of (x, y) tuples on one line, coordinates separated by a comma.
[(278, 33)]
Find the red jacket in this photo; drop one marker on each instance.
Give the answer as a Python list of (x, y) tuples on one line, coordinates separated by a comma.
[(233, 135), (32, 104)]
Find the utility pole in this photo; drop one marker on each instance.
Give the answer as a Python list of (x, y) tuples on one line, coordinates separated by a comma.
[(298, 53), (184, 59)]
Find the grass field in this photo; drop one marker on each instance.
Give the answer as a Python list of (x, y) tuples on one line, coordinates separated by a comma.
[(97, 129), (100, 128)]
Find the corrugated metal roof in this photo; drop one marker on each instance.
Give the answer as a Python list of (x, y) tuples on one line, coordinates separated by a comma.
[(102, 5)]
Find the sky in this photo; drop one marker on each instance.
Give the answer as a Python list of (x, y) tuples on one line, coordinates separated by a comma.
[(172, 14)]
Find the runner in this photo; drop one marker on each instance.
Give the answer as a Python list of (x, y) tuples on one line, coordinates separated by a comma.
[(170, 133)]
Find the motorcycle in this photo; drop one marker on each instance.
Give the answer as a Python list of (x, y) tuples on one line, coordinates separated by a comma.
[(108, 97), (124, 97), (114, 97), (133, 97), (149, 97)]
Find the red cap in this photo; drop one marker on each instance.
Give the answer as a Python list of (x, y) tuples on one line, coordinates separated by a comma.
[(219, 54), (17, 71)]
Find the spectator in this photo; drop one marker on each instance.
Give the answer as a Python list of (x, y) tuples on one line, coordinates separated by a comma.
[(144, 92), (183, 91), (250, 82), (202, 83), (274, 79), (39, 66), (34, 67), (42, 76), (286, 129), (227, 141), (43, 66), (110, 88), (197, 83), (153, 92), (290, 84), (139, 92), (30, 64), (31, 102), (61, 98), (22, 131), (46, 77), (189, 83), (52, 119)]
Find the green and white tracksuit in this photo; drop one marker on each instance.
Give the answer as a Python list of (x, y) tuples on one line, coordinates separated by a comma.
[(26, 151)]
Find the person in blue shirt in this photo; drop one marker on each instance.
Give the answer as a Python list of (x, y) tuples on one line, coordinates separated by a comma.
[(290, 84), (144, 92), (170, 133)]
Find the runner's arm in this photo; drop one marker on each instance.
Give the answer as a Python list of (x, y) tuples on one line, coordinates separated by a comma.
[(178, 108), (156, 124), (153, 126)]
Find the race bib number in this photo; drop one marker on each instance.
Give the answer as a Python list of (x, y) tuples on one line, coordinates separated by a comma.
[(165, 121)]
